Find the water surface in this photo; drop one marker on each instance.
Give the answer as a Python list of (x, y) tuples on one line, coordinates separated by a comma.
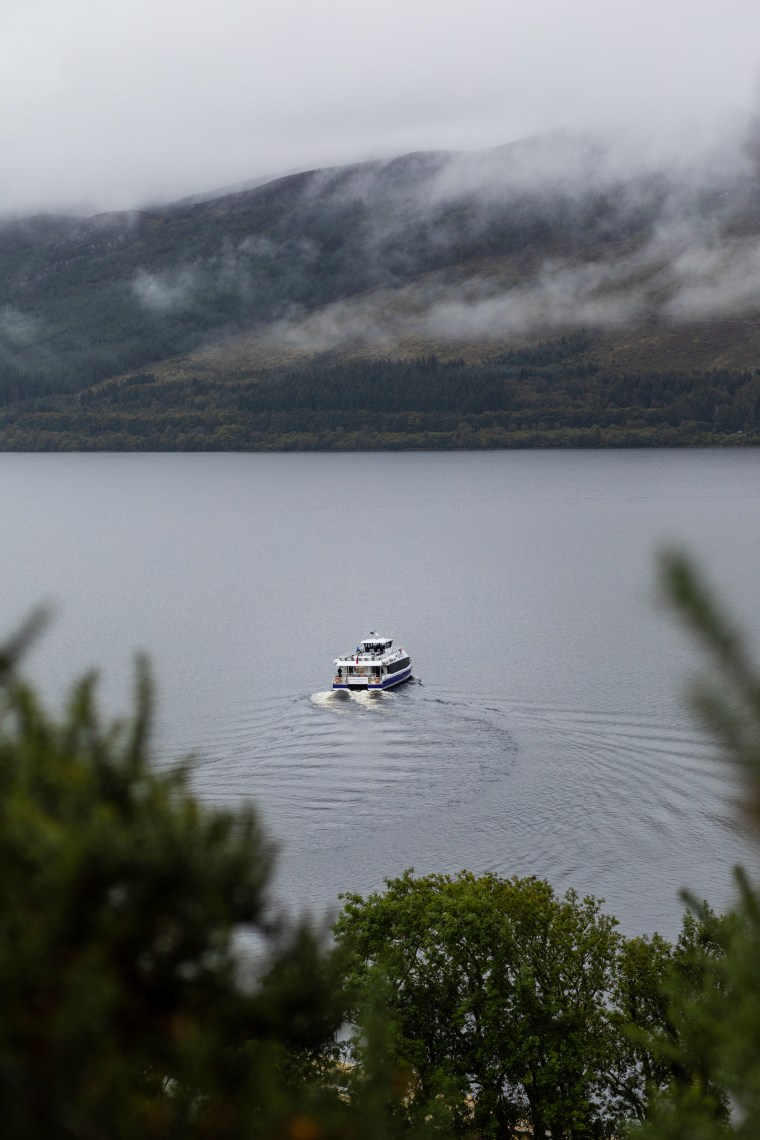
[(547, 734)]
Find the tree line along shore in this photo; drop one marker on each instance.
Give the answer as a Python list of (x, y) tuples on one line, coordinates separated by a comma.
[(543, 397)]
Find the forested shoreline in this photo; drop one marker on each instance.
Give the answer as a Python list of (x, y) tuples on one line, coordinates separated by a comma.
[(549, 396)]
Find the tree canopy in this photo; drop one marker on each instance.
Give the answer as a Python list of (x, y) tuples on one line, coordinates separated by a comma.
[(516, 1008)]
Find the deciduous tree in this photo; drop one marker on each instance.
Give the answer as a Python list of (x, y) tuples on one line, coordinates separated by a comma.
[(498, 989)]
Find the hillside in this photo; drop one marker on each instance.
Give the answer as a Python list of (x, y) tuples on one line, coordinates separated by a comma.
[(553, 292)]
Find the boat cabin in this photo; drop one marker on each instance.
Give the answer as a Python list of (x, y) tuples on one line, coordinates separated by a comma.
[(373, 664), (376, 645)]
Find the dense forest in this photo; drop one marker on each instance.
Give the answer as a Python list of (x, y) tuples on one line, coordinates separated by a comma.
[(437, 300), (537, 398)]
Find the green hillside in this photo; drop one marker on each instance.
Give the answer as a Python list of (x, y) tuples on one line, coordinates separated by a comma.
[(438, 300)]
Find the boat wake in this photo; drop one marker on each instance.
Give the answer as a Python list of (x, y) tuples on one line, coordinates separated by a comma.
[(334, 700), (372, 698), (340, 700)]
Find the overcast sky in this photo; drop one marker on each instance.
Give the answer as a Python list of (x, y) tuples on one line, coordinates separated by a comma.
[(109, 104)]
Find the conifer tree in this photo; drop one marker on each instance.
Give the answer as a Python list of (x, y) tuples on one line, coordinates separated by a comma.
[(124, 1008), (714, 1006)]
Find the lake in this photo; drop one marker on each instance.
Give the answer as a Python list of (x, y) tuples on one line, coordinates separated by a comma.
[(546, 731)]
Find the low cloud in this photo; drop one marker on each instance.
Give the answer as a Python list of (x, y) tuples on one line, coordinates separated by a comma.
[(258, 245), (164, 292), (720, 280), (561, 296), (632, 229), (17, 329), (697, 280), (673, 279)]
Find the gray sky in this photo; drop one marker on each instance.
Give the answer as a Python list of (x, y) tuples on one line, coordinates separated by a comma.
[(108, 104)]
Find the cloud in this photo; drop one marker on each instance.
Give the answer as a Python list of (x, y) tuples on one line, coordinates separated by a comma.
[(632, 229), (17, 329), (258, 245), (644, 222), (24, 349), (674, 278), (163, 292), (719, 280), (232, 268), (560, 297), (143, 100)]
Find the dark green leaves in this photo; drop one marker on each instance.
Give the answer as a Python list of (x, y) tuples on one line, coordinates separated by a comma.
[(500, 993), (123, 1007)]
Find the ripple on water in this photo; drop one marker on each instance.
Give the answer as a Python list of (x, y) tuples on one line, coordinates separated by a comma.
[(329, 760), (358, 786)]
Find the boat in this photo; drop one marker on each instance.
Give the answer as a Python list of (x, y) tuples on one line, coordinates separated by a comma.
[(374, 665)]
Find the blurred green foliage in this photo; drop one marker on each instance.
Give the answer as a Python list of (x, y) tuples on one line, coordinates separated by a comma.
[(717, 1017), (128, 1004)]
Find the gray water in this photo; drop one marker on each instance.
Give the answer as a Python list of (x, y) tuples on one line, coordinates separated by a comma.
[(547, 733)]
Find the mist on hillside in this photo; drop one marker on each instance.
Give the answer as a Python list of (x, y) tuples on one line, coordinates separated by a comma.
[(554, 233), (591, 231)]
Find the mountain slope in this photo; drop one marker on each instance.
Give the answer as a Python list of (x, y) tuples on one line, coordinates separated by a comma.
[(537, 264)]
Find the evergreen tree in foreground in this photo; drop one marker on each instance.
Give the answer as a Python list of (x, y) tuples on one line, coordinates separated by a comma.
[(123, 1011), (716, 1092)]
